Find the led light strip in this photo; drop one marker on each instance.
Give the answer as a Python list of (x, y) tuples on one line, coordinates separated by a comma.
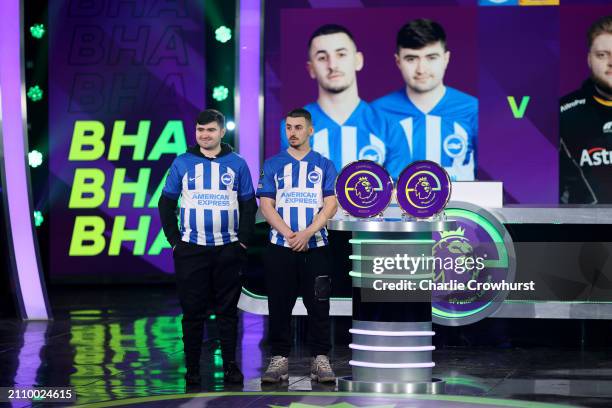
[(391, 333), (391, 365), (23, 249), (390, 348), (248, 100)]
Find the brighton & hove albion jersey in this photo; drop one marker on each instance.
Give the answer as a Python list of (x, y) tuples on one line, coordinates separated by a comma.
[(298, 187), (363, 135), (446, 135), (209, 191)]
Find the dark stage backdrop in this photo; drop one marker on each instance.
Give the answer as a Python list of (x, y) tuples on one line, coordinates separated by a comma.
[(126, 81)]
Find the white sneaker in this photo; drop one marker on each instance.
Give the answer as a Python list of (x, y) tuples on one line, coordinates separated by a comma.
[(320, 369), (278, 370)]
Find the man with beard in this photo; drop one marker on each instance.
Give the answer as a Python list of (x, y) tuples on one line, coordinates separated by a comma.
[(296, 191), (585, 145), (346, 128), (438, 123)]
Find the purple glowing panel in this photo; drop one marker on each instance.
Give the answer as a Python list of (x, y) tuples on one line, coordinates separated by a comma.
[(15, 164), (423, 189), (126, 83), (364, 189), (249, 61), (518, 138)]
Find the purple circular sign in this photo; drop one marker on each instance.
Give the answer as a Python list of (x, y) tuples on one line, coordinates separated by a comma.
[(364, 188), (423, 189)]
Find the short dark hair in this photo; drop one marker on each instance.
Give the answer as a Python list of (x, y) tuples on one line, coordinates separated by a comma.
[(300, 113), (419, 33), (601, 26), (328, 29), (211, 115)]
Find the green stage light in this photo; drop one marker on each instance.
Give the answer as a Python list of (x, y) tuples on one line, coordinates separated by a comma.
[(38, 218), (35, 158), (35, 93), (38, 31), (223, 34), (220, 93)]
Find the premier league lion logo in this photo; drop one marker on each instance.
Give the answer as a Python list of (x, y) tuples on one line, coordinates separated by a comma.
[(423, 189), (363, 188)]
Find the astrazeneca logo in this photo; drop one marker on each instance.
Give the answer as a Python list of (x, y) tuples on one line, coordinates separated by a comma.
[(595, 156), (373, 153), (455, 145), (227, 179), (314, 177), (607, 128)]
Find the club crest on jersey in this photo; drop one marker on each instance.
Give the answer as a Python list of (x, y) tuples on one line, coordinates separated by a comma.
[(314, 177), (373, 153), (227, 179), (607, 127), (455, 145)]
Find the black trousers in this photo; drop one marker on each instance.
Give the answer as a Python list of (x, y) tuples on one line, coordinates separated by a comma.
[(291, 274), (209, 278)]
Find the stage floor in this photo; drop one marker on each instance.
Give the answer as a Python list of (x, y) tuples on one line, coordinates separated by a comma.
[(122, 346)]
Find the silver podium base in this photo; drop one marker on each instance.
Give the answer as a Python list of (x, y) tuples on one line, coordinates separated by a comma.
[(435, 386)]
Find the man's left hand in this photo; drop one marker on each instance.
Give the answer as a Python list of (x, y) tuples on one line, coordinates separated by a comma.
[(299, 242)]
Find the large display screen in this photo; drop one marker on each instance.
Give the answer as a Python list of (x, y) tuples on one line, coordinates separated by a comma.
[(126, 84), (504, 71)]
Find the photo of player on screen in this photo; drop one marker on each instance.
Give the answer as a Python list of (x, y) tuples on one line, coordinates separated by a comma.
[(346, 127), (585, 126), (439, 123)]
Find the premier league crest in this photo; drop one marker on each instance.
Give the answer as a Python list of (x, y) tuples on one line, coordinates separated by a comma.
[(364, 189), (423, 189), (480, 250)]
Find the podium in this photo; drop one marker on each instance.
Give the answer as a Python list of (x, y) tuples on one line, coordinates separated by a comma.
[(391, 338)]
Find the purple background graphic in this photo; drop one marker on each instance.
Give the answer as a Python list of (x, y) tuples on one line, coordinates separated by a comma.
[(516, 51), (142, 97), (519, 56), (274, 34), (575, 23), (376, 41)]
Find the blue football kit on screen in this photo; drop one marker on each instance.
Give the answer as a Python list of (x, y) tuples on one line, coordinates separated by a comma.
[(363, 135), (446, 135), (209, 191), (298, 187)]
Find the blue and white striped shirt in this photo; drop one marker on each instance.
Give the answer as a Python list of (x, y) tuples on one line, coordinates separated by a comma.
[(299, 187), (364, 135), (209, 191), (447, 134)]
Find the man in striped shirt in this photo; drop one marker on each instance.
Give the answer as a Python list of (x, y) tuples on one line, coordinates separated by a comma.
[(296, 191), (437, 122), (346, 128), (216, 221)]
